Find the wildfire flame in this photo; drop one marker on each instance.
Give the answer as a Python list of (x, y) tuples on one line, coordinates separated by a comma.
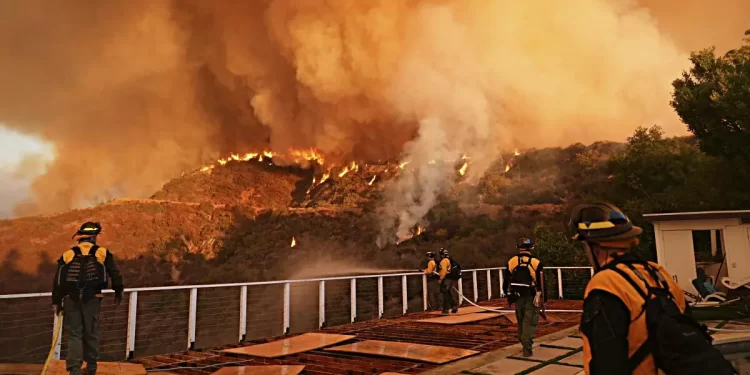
[(403, 164), (507, 167), (311, 154), (294, 242), (325, 177), (353, 167), (373, 180), (207, 168), (420, 230), (516, 153), (462, 171)]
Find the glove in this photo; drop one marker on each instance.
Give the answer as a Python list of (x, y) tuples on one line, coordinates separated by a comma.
[(538, 299), (118, 297)]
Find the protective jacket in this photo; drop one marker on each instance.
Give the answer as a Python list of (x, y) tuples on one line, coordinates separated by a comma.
[(89, 289), (536, 269), (613, 324)]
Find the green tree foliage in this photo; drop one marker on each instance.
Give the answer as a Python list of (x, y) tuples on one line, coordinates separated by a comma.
[(555, 248), (713, 99)]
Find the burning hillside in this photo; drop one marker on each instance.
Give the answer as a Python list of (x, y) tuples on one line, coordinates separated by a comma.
[(253, 219)]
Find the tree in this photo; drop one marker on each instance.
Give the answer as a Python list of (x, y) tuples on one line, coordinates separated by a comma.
[(556, 248), (713, 99)]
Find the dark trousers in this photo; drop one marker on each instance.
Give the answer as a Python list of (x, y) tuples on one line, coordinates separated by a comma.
[(528, 316), (81, 324), (450, 296), (433, 293)]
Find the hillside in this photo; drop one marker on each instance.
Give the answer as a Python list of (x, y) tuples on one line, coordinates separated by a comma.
[(236, 222)]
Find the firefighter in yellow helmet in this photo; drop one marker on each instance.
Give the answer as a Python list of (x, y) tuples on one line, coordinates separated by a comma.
[(634, 317)]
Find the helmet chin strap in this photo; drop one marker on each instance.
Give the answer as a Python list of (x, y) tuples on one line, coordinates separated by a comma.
[(593, 259)]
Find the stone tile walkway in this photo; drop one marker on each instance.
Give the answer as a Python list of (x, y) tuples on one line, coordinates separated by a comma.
[(560, 357)]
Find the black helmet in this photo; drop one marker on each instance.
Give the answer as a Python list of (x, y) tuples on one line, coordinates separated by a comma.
[(601, 222), (89, 229), (444, 252), (430, 254), (525, 243)]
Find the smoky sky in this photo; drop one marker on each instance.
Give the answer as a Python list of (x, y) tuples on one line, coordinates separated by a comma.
[(133, 93)]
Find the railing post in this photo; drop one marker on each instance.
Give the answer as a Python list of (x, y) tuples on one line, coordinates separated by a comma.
[(404, 295), (592, 271), (461, 290), (380, 297), (424, 291), (489, 285), (476, 287), (287, 309), (322, 304), (132, 314), (559, 283), (502, 294), (243, 313), (58, 343), (353, 290), (191, 317)]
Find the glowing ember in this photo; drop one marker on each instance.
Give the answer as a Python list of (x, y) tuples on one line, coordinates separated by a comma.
[(294, 242), (462, 171), (373, 180)]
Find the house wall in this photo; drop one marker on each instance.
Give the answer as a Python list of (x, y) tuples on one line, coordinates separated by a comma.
[(675, 251)]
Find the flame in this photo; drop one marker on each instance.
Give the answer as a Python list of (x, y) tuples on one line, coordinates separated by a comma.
[(311, 186), (403, 164), (373, 180), (420, 230), (462, 171), (516, 153), (507, 167), (344, 172), (294, 242), (222, 161), (311, 154), (207, 168), (464, 157), (249, 156), (325, 177), (234, 157)]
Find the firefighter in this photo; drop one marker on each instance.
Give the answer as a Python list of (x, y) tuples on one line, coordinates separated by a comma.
[(523, 283), (613, 324), (433, 282), (448, 282), (82, 273)]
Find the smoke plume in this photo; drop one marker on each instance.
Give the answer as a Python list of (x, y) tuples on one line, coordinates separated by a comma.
[(132, 93)]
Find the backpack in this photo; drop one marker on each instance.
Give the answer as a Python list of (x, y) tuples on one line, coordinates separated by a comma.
[(82, 272), (522, 273), (679, 343), (455, 272)]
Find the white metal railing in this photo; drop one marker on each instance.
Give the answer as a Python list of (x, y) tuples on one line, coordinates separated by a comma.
[(243, 288)]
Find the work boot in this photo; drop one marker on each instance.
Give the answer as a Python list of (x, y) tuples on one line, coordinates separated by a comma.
[(527, 353), (444, 312), (455, 310)]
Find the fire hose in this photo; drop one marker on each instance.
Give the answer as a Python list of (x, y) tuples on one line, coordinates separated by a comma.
[(509, 311), (55, 337)]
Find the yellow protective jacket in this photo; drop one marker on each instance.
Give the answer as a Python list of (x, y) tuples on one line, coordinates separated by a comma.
[(445, 267), (431, 267), (103, 257), (613, 324)]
